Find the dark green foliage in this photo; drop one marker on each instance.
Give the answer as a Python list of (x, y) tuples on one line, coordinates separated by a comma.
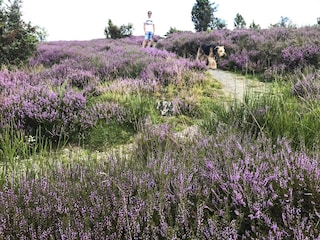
[(173, 30), (115, 32), (203, 15), (18, 40), (284, 22), (239, 21), (219, 24), (253, 25)]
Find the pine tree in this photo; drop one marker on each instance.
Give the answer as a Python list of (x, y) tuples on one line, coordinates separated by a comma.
[(18, 40), (239, 21), (203, 15)]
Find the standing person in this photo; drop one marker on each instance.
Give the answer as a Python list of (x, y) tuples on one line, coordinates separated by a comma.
[(149, 29)]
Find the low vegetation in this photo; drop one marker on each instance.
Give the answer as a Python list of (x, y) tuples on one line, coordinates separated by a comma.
[(85, 153)]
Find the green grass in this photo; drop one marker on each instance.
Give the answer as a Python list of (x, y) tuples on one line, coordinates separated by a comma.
[(276, 113), (104, 136)]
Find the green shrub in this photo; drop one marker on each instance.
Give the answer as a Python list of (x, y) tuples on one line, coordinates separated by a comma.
[(114, 32)]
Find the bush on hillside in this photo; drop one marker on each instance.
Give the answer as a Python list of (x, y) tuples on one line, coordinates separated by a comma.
[(262, 51), (114, 32)]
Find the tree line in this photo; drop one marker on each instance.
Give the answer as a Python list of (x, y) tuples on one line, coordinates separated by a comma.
[(204, 19)]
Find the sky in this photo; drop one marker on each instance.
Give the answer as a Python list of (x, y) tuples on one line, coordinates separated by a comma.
[(86, 20)]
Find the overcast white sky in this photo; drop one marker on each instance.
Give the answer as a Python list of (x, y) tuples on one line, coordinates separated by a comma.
[(86, 20)]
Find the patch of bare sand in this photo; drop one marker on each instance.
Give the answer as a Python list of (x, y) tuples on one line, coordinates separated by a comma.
[(236, 86)]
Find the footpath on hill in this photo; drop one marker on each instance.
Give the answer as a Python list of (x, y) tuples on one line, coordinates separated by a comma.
[(236, 86)]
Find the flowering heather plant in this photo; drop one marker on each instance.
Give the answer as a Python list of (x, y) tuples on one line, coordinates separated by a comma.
[(60, 112), (209, 187), (107, 59), (38, 106), (297, 56), (170, 71), (251, 50), (53, 52), (185, 107), (155, 52), (228, 184), (186, 44), (120, 62), (68, 76), (69, 69), (307, 86), (276, 72)]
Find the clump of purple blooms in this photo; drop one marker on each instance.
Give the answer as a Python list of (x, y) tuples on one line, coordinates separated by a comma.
[(254, 50), (58, 108), (58, 92), (307, 85), (209, 187), (226, 185)]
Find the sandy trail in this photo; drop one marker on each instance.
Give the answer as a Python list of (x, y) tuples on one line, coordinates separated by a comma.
[(236, 86)]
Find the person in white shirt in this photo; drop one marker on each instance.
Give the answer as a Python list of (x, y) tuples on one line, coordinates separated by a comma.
[(149, 29)]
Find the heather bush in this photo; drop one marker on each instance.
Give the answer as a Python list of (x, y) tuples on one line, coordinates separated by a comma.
[(254, 51), (52, 53), (110, 59), (221, 186), (63, 113), (187, 107), (186, 43), (251, 171), (305, 84), (58, 110), (71, 86)]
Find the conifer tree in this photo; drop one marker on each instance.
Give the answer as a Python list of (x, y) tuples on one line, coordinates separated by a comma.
[(202, 15), (18, 40)]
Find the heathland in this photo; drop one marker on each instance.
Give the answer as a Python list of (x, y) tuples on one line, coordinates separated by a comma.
[(86, 154)]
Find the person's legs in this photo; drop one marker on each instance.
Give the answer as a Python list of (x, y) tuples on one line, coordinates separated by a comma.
[(150, 35), (147, 40), (144, 43)]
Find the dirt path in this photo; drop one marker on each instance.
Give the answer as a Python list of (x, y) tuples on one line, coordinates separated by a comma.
[(236, 86)]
